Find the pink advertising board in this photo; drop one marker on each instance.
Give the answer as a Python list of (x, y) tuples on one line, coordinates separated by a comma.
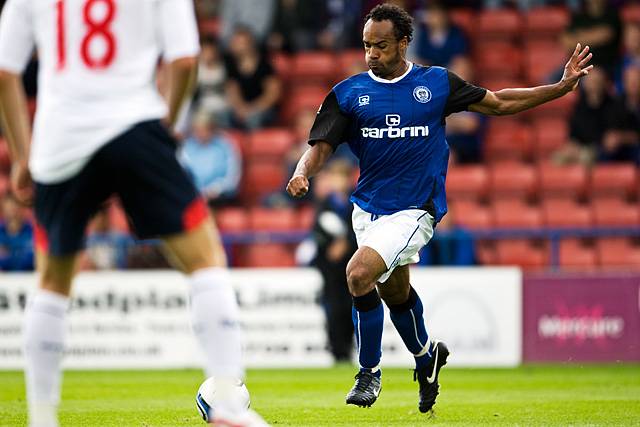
[(581, 318)]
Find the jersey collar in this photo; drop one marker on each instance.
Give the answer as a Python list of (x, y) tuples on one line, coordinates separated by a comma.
[(397, 79)]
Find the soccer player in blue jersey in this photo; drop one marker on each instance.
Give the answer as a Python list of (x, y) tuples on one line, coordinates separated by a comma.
[(393, 118)]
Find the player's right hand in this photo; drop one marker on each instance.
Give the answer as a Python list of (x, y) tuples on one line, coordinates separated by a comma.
[(21, 183), (298, 186)]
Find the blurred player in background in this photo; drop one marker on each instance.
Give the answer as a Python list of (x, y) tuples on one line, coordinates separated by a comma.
[(102, 127), (393, 118)]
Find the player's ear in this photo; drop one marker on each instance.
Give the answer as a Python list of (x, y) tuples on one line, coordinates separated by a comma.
[(403, 44)]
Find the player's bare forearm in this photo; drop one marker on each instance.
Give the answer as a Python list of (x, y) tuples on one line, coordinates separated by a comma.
[(182, 74), (512, 101), (15, 116), (309, 164)]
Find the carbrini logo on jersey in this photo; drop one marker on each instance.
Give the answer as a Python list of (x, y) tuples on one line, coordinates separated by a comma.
[(393, 130)]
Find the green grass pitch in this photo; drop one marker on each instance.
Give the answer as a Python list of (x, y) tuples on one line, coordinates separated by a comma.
[(532, 395)]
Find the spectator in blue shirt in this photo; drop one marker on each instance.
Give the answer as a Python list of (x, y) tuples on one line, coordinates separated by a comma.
[(438, 41), (213, 161), (16, 238)]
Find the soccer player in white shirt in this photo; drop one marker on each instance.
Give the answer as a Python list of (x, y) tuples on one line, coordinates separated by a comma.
[(101, 128)]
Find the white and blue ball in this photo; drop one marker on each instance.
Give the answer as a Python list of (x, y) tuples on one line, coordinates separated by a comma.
[(206, 397)]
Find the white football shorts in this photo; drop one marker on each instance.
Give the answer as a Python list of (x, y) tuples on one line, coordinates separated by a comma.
[(397, 238)]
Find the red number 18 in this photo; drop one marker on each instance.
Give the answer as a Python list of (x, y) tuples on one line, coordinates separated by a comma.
[(95, 28)]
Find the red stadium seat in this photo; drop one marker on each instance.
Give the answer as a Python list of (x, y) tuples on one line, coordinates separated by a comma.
[(260, 179), (463, 18), (617, 253), (548, 22), (232, 220), (576, 254), (467, 182), (302, 98), (516, 214), (267, 255), (513, 180), (614, 179), (500, 24), (631, 13), (306, 217), (496, 83), (543, 59), (566, 213), (486, 252), (314, 68), (562, 181), (507, 140), (615, 212), (524, 253), (471, 215), (262, 219), (351, 62), (209, 27), (498, 60), (550, 134), (273, 142), (238, 139)]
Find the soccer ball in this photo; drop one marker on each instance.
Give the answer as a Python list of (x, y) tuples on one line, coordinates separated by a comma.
[(206, 398)]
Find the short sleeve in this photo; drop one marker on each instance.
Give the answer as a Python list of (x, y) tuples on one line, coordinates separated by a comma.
[(16, 36), (331, 123), (461, 94), (178, 29)]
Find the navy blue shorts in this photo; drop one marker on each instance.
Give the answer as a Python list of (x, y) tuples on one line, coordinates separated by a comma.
[(140, 166)]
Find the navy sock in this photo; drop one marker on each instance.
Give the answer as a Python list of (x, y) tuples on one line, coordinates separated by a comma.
[(368, 319), (409, 321)]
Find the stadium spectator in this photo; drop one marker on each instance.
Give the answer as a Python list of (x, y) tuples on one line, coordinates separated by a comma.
[(213, 160), (335, 244), (437, 40), (297, 25), (106, 249), (589, 121), (621, 141), (255, 16), (598, 26), (631, 52), (451, 245), (525, 5), (253, 89), (16, 238), (212, 75), (343, 29), (464, 129)]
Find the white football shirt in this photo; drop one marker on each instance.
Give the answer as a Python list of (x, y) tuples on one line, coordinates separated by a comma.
[(98, 62)]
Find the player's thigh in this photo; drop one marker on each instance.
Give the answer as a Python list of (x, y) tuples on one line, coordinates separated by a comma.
[(395, 290), (160, 198), (363, 270), (196, 249)]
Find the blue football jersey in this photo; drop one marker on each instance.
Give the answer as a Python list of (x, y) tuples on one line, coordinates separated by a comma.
[(396, 128)]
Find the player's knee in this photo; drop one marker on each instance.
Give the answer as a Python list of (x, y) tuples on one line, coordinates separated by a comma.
[(359, 280)]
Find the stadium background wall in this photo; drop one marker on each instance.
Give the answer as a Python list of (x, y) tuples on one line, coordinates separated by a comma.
[(132, 320)]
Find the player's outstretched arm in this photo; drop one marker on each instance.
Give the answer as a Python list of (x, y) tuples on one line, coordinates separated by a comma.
[(511, 101), (181, 75), (309, 164), (15, 123)]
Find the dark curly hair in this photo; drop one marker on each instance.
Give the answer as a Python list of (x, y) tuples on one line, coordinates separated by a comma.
[(402, 21)]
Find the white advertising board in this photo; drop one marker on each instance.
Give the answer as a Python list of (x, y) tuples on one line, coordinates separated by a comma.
[(136, 320)]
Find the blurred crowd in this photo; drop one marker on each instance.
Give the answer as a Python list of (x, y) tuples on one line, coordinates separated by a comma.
[(243, 88)]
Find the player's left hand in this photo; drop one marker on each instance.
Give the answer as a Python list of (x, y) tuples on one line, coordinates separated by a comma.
[(21, 183), (577, 67)]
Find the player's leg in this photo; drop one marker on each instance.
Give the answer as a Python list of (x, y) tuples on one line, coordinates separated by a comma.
[(363, 270), (62, 212), (406, 312), (161, 200)]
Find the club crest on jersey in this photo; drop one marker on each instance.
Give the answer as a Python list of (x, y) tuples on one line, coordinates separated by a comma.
[(422, 94), (363, 100)]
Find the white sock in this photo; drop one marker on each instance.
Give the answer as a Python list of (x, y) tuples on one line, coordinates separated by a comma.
[(216, 324), (45, 330)]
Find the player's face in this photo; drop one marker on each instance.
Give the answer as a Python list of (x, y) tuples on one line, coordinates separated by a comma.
[(383, 52)]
